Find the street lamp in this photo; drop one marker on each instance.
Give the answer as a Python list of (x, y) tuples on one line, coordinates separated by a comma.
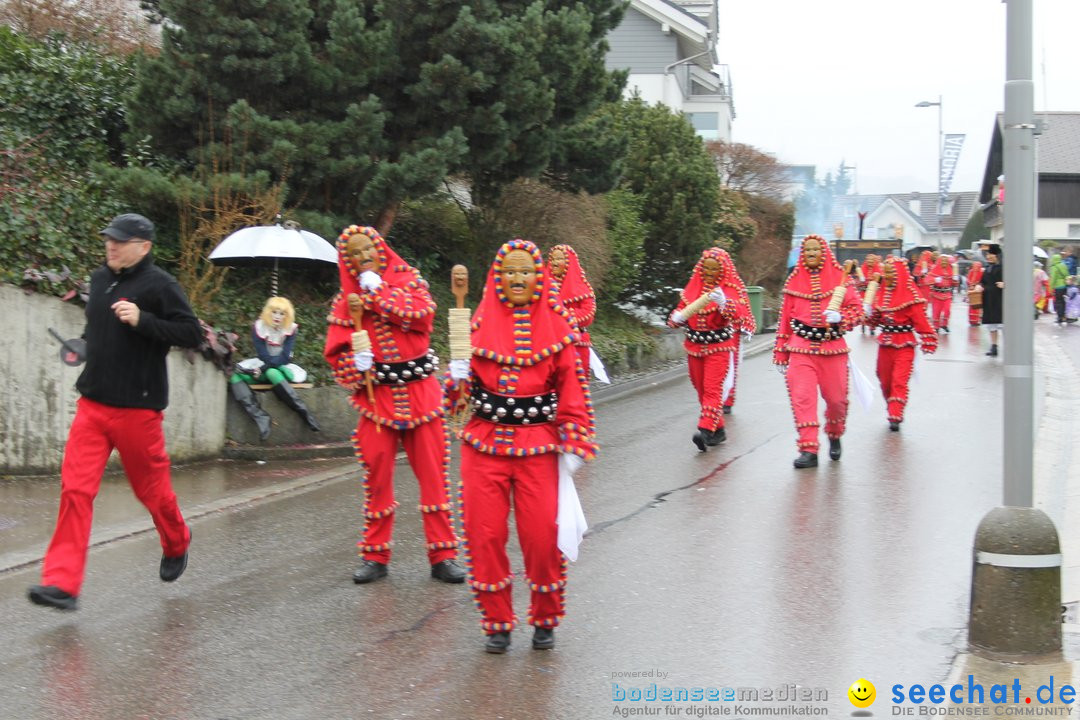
[(940, 147)]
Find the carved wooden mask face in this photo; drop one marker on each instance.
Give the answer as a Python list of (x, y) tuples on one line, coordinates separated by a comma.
[(518, 277)]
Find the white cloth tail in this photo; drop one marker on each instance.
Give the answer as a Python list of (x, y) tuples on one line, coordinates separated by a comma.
[(597, 367), (729, 377), (570, 517), (864, 390), (299, 374)]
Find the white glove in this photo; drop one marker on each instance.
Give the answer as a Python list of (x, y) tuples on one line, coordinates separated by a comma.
[(717, 296), (459, 369), (939, 281), (956, 278), (868, 310), (370, 280), (832, 316), (363, 360), (570, 463), (678, 318), (782, 369), (746, 334)]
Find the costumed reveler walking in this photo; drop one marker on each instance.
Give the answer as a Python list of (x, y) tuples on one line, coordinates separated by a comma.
[(975, 295), (531, 429), (576, 295), (819, 306), (396, 390), (940, 282), (273, 337), (713, 309), (898, 311)]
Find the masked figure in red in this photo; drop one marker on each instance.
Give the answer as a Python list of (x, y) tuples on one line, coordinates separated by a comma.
[(974, 279), (532, 421), (941, 281), (920, 274), (712, 337), (810, 348), (898, 310), (575, 294), (395, 388)]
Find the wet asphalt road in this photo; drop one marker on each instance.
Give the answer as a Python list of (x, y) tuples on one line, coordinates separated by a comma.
[(723, 569)]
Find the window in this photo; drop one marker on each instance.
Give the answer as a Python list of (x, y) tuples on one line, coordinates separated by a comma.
[(1074, 231), (707, 125)]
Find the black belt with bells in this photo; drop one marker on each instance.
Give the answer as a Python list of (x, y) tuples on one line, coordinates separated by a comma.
[(513, 409), (708, 337), (811, 332), (407, 371)]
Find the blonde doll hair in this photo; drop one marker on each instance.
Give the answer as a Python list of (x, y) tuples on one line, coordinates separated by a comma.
[(278, 303)]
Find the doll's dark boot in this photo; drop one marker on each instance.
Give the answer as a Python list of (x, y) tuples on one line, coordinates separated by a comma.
[(287, 394), (246, 397)]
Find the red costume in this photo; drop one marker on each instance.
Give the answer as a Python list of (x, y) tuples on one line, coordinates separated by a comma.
[(576, 295), (530, 403), (407, 405), (813, 350), (898, 310), (712, 338), (920, 272), (940, 281), (974, 278), (871, 266)]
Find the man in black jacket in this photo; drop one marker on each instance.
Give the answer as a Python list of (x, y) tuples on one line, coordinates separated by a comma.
[(135, 313)]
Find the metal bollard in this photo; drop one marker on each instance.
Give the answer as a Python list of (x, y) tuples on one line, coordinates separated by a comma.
[(1015, 609)]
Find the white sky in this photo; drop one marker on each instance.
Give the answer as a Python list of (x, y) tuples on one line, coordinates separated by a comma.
[(817, 82)]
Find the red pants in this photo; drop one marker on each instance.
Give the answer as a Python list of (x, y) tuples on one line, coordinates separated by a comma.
[(487, 482), (95, 431), (894, 371), (975, 315), (806, 375), (707, 376), (940, 310), (428, 449)]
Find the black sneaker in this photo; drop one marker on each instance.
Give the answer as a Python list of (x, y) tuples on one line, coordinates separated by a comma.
[(173, 567), (543, 638), (806, 460), (448, 571), (54, 597), (369, 571), (497, 643)]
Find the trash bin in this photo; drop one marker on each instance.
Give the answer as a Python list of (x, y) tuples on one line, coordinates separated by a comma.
[(756, 292)]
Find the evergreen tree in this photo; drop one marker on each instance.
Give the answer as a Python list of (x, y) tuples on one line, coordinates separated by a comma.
[(365, 104)]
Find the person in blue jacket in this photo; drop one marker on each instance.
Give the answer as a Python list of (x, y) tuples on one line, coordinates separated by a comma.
[(273, 336)]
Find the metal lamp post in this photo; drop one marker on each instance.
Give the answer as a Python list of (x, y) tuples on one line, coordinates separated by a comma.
[(940, 147)]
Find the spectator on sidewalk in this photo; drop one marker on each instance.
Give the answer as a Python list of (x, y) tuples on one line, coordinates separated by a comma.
[(136, 311), (1072, 300), (1040, 289), (1059, 272), (992, 285)]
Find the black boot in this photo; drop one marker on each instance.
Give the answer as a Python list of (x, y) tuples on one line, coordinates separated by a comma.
[(834, 448), (543, 638), (286, 394), (246, 397), (715, 437), (806, 460), (993, 351), (894, 425), (698, 438), (497, 643)]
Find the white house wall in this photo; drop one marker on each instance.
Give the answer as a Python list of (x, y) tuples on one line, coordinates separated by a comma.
[(638, 45), (1056, 229)]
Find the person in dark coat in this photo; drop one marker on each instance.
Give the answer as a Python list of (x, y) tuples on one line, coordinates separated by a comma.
[(992, 286)]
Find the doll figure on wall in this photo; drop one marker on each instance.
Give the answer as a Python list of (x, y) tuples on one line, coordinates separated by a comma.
[(273, 336)]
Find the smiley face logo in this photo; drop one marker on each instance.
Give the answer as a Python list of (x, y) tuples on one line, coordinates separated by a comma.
[(862, 693)]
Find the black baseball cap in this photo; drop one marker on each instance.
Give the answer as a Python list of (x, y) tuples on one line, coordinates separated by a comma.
[(129, 226)]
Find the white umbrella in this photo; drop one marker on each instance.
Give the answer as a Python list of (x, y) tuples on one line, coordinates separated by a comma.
[(1039, 252), (273, 246)]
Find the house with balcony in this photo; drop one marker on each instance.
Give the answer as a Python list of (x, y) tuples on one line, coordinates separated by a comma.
[(669, 49), (1057, 164)]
